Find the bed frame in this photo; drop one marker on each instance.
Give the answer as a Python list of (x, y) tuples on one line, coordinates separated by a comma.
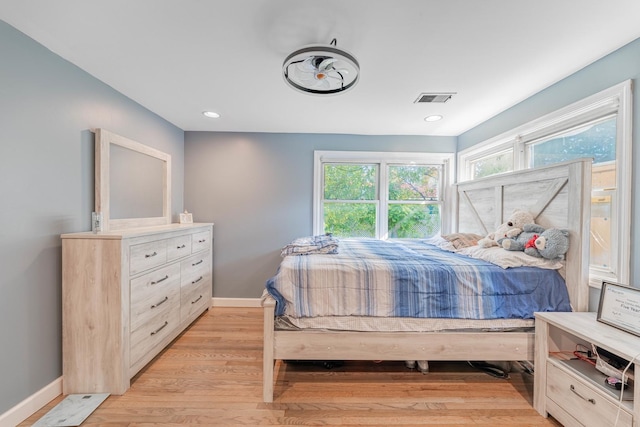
[(558, 196)]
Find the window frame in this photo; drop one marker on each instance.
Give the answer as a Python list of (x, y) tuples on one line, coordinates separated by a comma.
[(383, 159), (614, 101)]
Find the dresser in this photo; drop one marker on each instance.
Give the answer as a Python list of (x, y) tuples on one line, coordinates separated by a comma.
[(125, 296)]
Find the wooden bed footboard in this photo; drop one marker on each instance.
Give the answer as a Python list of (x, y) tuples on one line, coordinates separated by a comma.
[(352, 345)]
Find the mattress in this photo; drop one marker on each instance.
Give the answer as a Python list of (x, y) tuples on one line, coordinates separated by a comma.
[(402, 324), (410, 279)]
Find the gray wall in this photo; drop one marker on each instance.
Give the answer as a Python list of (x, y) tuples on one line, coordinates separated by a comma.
[(615, 68), (257, 188), (47, 107)]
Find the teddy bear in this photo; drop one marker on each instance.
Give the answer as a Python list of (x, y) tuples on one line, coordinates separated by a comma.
[(519, 242), (551, 243), (511, 228)]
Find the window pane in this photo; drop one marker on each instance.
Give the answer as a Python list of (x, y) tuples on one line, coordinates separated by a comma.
[(413, 220), (601, 255), (350, 219), (603, 176), (350, 182), (493, 164), (410, 182), (596, 140)]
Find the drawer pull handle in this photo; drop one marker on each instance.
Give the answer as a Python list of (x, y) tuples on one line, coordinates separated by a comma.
[(160, 328), (160, 280), (161, 302), (181, 247), (151, 255), (197, 280), (198, 299), (199, 262), (202, 241), (573, 389)]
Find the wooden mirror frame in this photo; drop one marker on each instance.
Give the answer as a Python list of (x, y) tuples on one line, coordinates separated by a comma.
[(103, 141)]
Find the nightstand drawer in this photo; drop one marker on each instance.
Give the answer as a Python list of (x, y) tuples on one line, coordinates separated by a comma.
[(582, 400)]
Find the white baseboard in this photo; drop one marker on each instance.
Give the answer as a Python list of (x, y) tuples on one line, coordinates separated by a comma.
[(235, 302), (31, 404)]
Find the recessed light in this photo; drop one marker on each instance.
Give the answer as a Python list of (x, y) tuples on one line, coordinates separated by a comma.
[(211, 114), (433, 118)]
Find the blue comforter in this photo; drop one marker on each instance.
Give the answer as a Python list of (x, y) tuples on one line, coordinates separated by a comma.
[(411, 279)]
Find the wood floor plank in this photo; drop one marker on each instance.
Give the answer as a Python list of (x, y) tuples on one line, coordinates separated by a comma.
[(212, 375)]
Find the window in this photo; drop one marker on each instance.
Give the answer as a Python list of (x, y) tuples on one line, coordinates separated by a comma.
[(381, 195), (414, 200), (597, 127), (350, 199), (492, 164), (596, 139)]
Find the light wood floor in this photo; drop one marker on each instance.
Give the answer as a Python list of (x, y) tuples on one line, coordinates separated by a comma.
[(212, 375)]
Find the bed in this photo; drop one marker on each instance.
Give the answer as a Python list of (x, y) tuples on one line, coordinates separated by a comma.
[(558, 196)]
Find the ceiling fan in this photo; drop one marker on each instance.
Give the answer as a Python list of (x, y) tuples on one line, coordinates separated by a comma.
[(321, 69)]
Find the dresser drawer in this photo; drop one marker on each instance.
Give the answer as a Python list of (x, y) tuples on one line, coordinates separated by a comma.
[(194, 299), (581, 400), (154, 330), (147, 255), (196, 269), (200, 241), (178, 247), (152, 291)]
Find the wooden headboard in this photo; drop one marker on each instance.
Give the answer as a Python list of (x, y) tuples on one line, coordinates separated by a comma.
[(558, 196)]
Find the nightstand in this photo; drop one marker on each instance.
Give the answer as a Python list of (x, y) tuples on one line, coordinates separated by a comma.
[(573, 391)]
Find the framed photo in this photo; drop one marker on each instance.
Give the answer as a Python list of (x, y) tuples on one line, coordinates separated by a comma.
[(620, 307), (186, 218)]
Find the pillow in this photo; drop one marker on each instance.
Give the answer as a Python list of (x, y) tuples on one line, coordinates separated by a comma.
[(441, 243), (506, 259), (462, 240)]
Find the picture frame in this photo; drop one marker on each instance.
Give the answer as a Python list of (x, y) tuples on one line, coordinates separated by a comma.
[(619, 307), (186, 218)]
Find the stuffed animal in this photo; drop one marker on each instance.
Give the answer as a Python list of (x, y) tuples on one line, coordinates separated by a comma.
[(501, 232), (512, 227), (552, 243), (520, 241)]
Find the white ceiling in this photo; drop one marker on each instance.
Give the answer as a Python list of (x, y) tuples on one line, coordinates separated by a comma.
[(179, 58)]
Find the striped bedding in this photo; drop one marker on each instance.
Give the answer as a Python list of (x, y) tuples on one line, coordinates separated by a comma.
[(411, 279)]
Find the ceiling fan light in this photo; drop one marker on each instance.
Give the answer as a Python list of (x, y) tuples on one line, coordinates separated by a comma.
[(321, 70)]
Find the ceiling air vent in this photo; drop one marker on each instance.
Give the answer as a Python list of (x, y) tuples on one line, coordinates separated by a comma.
[(433, 97)]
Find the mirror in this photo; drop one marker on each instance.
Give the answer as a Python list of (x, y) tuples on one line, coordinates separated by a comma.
[(133, 183)]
